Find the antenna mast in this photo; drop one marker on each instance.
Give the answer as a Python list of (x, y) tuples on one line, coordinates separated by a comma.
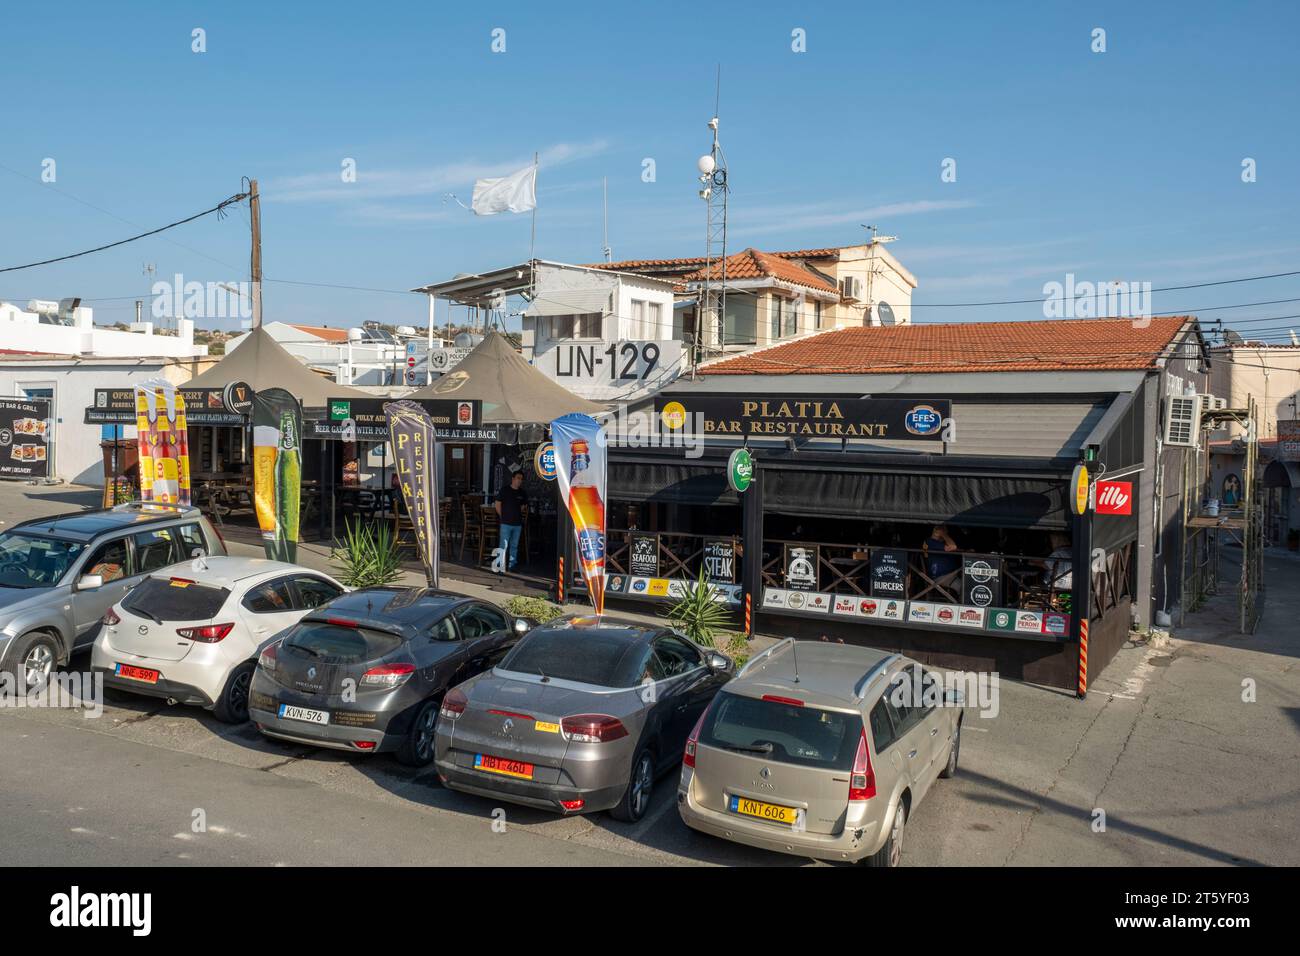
[(604, 245), (709, 326)]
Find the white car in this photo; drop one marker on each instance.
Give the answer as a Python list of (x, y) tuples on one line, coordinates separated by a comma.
[(191, 633)]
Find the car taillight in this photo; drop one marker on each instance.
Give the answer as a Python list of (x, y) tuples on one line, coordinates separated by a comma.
[(593, 728), (388, 675), (110, 617), (207, 634), (453, 705), (789, 701), (688, 758), (364, 744), (862, 782), (266, 659), (573, 804)]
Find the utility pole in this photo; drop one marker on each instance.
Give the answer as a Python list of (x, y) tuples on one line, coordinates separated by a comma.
[(255, 220)]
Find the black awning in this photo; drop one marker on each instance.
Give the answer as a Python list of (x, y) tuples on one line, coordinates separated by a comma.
[(670, 483), (1008, 501)]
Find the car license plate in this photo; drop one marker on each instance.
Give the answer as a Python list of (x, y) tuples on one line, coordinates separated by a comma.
[(142, 674), (289, 712), (509, 768), (764, 811)]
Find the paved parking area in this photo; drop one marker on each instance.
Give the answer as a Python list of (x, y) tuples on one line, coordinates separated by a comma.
[(1185, 770)]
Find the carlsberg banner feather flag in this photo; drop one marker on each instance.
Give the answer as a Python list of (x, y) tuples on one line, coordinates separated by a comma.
[(580, 470), (277, 471), (164, 443), (415, 446)]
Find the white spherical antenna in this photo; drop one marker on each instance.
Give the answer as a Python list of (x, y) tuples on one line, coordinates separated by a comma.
[(706, 165)]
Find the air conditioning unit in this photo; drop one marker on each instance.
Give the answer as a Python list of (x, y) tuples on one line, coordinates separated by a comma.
[(851, 288), (1183, 420), (1212, 403)]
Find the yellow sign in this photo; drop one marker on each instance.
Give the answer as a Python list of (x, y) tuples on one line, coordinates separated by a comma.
[(673, 415), (657, 587), (1079, 487), (546, 727)]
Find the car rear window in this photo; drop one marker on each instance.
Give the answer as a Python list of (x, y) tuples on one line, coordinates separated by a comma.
[(337, 644), (175, 599), (805, 736), (588, 657)]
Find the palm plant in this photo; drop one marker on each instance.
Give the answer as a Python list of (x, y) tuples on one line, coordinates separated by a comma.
[(367, 557), (699, 614)]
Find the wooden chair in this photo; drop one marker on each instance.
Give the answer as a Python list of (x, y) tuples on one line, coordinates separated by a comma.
[(444, 523), (489, 533), (404, 530), (471, 525)]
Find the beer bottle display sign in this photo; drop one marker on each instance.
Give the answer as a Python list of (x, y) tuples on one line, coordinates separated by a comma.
[(163, 442), (580, 470), (277, 471)]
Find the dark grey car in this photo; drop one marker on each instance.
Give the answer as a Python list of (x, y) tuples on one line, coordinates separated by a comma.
[(365, 673), (582, 715)]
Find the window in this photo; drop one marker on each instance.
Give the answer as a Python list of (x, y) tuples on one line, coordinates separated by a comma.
[(191, 540), (336, 644), (175, 600), (817, 314), (313, 591), (740, 322), (771, 730), (900, 698), (651, 667), (637, 327), (882, 727), (444, 629), (774, 317), (272, 597), (654, 319), (155, 550), (605, 658), (476, 620), (586, 326), (108, 561), (677, 655), (789, 317), (27, 561)]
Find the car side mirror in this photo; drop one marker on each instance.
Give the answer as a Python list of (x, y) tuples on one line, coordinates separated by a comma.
[(522, 626), (719, 662), (90, 582)]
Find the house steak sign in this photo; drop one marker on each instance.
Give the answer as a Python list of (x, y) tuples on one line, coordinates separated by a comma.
[(806, 416)]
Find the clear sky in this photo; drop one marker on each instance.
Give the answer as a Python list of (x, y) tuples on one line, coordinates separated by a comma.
[(1122, 165)]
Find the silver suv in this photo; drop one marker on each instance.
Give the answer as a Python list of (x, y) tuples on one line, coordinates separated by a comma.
[(59, 575), (820, 750)]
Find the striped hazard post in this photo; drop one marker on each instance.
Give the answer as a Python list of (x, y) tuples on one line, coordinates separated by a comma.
[(1083, 658), (559, 583), (749, 614)]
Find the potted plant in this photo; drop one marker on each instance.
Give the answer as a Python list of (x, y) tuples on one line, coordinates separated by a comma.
[(367, 557), (699, 614)]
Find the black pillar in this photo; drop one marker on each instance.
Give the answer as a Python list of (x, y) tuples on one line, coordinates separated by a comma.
[(751, 520), (1081, 591)]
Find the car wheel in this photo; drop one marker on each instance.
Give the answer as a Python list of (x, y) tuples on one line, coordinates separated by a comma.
[(417, 748), (639, 787), (891, 854), (232, 705), (950, 768), (32, 660)]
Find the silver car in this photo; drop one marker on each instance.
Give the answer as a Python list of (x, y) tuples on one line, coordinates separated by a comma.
[(821, 750), (60, 575), (582, 715)]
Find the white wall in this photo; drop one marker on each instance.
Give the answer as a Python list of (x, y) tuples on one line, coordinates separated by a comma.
[(23, 331)]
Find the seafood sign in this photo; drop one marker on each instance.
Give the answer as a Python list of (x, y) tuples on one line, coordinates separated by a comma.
[(164, 443), (277, 471), (580, 469)]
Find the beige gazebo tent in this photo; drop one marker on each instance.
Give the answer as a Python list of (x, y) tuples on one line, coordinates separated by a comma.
[(264, 363)]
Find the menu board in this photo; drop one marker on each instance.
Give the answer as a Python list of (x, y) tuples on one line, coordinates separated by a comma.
[(720, 560), (888, 573), (981, 581), (643, 555), (24, 437)]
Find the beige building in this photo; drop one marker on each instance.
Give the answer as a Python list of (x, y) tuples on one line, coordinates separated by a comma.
[(1268, 373)]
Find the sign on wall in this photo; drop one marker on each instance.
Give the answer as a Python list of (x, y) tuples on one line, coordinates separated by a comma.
[(643, 555), (24, 437), (806, 416), (231, 405), (1114, 497), (801, 567), (720, 560), (600, 369), (888, 573), (363, 419), (1288, 440), (981, 581)]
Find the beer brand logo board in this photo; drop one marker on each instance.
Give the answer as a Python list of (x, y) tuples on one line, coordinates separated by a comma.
[(581, 473)]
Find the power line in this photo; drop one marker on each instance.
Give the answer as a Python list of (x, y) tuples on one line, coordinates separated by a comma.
[(218, 208), (1100, 294)]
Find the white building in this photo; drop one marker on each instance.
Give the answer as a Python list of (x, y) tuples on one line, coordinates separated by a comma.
[(67, 328), (367, 356)]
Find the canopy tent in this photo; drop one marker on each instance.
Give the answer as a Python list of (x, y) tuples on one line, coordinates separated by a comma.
[(511, 390), (264, 363)]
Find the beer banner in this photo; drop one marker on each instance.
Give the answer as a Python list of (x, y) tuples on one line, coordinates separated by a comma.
[(277, 471), (580, 470), (164, 443), (415, 444)]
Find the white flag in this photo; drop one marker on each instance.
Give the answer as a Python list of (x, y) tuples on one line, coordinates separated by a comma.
[(514, 193)]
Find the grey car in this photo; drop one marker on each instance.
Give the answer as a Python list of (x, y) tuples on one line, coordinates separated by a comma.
[(821, 750), (581, 716), (365, 672), (60, 575)]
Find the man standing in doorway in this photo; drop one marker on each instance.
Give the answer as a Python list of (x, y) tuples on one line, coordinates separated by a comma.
[(511, 506)]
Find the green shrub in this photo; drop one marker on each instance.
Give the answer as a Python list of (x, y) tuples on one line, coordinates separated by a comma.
[(699, 614), (533, 607), (368, 556)]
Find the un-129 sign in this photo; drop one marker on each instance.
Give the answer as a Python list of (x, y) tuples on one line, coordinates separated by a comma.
[(616, 363)]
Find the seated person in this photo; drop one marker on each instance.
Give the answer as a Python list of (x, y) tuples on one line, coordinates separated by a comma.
[(939, 562), (1058, 572)]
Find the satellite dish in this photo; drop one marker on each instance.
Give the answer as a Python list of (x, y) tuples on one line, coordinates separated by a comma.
[(886, 314)]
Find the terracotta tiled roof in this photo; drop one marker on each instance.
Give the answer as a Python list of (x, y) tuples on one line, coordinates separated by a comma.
[(752, 264), (1047, 345), (695, 262), (329, 335)]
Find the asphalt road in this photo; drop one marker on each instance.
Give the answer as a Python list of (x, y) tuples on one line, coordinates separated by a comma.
[(1184, 769)]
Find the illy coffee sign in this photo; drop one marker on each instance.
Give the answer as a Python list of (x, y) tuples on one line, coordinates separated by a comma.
[(1114, 497)]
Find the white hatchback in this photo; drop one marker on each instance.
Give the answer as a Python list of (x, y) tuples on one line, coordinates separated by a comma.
[(191, 633)]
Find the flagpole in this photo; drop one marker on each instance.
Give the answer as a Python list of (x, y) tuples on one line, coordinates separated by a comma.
[(532, 236)]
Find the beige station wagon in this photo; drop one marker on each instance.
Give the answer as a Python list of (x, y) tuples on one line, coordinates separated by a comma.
[(820, 750)]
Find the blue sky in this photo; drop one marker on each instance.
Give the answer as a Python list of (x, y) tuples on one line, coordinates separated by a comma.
[(1117, 165)]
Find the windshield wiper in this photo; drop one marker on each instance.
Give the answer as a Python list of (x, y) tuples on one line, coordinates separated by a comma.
[(760, 749), (307, 650)]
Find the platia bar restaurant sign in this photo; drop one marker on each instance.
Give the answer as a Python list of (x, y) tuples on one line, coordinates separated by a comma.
[(1114, 497), (1079, 490), (806, 416)]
